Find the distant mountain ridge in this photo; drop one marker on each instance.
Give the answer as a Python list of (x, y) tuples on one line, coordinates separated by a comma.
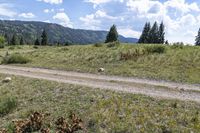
[(31, 30)]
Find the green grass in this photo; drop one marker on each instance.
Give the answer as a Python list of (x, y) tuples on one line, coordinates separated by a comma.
[(102, 111), (180, 64), (7, 104)]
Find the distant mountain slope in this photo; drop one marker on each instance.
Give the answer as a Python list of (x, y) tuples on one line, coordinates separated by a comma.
[(30, 30)]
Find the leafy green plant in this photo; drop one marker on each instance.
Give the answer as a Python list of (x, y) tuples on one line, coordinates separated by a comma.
[(98, 45), (113, 44), (7, 104), (2, 46), (15, 59), (35, 47), (178, 45), (155, 49), (11, 48), (132, 55)]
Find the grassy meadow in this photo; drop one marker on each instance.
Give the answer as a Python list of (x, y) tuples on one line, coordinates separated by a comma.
[(173, 63), (101, 111)]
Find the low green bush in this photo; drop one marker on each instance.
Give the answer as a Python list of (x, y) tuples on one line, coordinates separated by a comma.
[(7, 104), (11, 48), (98, 45), (113, 44), (134, 54), (155, 49), (35, 47), (15, 59), (177, 45), (1, 46)]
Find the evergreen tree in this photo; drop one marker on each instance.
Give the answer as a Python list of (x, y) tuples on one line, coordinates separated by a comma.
[(37, 42), (197, 40), (21, 41), (14, 40), (2, 40), (161, 33), (112, 35), (154, 34), (166, 42), (144, 38), (7, 39), (44, 38)]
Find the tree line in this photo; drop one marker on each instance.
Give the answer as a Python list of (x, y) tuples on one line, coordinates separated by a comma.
[(15, 40), (154, 34), (150, 35)]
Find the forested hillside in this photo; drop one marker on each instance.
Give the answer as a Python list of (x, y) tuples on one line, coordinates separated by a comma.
[(30, 31)]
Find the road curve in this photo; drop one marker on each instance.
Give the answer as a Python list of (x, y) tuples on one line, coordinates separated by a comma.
[(158, 89)]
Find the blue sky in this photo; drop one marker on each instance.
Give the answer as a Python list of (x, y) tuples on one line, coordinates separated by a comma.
[(181, 17)]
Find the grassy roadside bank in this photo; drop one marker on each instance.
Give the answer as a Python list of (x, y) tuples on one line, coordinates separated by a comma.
[(176, 63), (102, 111)]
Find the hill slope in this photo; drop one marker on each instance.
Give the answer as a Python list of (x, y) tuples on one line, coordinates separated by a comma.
[(31, 30), (175, 64)]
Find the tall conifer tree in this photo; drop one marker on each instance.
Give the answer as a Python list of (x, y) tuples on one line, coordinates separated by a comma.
[(112, 35), (144, 38), (21, 41), (44, 38), (154, 34), (14, 40), (197, 40), (161, 33)]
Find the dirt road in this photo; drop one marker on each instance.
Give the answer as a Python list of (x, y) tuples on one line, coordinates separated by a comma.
[(158, 89)]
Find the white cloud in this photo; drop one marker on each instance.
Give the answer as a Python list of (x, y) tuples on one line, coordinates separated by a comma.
[(64, 19), (61, 9), (93, 21), (181, 5), (52, 1), (5, 10), (98, 2), (90, 22), (27, 15), (128, 32), (47, 21), (48, 10)]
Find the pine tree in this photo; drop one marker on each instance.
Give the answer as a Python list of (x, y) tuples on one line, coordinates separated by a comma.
[(161, 33), (112, 35), (14, 40), (21, 41), (166, 42), (144, 38), (44, 38), (2, 41), (7, 39), (37, 42), (197, 40), (154, 34)]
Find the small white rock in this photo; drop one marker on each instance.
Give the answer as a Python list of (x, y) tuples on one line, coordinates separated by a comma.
[(7, 79), (101, 70)]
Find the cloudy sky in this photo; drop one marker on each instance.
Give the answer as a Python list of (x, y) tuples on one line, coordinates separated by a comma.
[(181, 17)]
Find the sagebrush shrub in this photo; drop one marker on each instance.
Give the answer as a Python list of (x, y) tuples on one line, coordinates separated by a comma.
[(98, 45), (1, 46), (15, 59), (155, 49), (113, 44), (7, 104)]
